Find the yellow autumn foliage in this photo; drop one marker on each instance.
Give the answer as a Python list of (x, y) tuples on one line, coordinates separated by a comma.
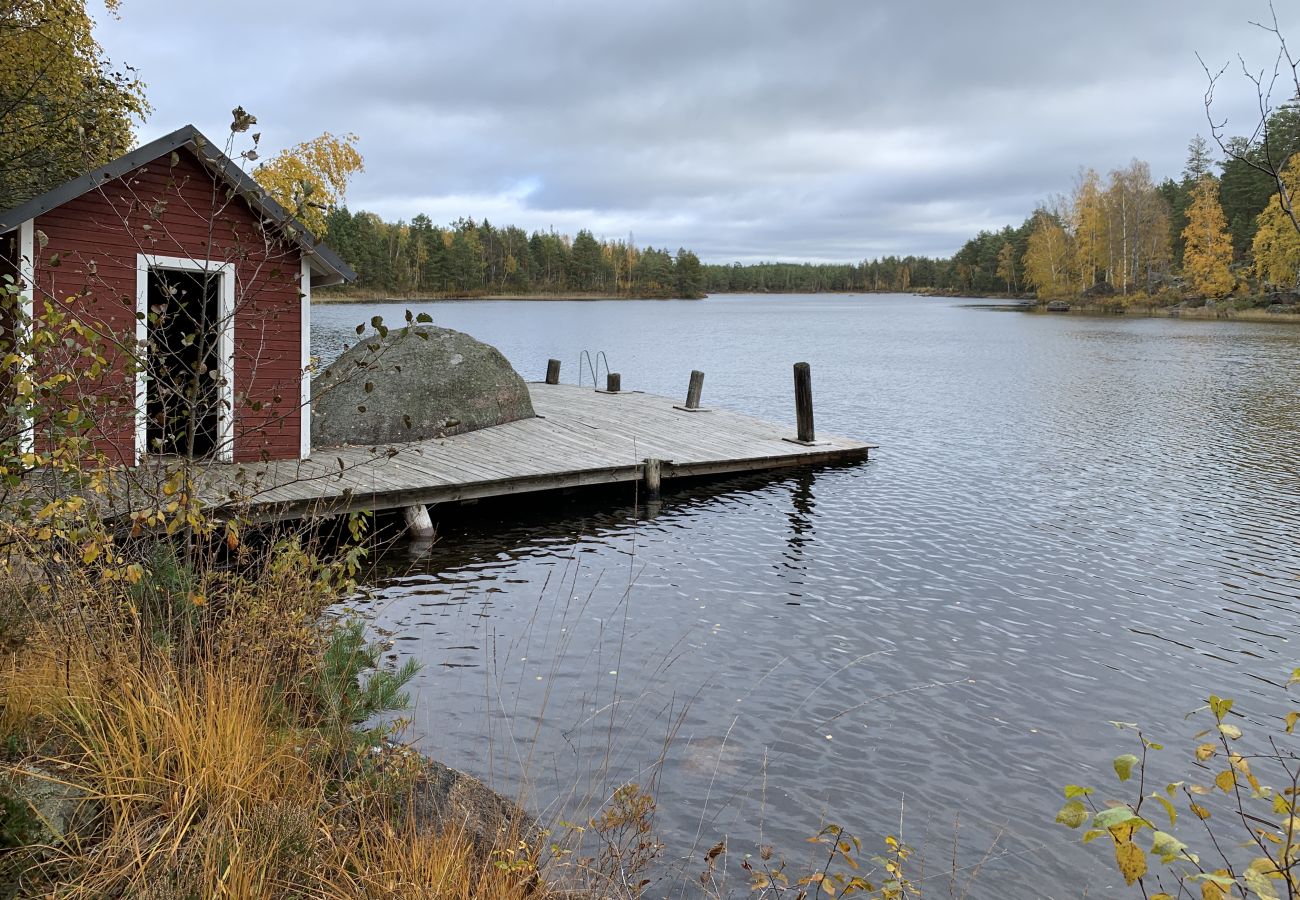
[(311, 178), (1277, 242), (64, 107), (1208, 253), (1047, 257)]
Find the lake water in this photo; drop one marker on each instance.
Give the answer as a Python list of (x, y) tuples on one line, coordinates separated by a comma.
[(1070, 520)]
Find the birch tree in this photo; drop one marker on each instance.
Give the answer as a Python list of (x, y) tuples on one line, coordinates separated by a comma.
[(1207, 254)]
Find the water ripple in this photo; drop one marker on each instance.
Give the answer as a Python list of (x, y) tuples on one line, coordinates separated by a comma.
[(1071, 521)]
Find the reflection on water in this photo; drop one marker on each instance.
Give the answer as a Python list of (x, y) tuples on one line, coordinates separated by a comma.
[(1070, 521)]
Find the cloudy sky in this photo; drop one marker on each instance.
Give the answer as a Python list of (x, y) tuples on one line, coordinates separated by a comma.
[(743, 129)]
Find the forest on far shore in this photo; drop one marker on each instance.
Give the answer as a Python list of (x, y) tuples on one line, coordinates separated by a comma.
[(1120, 238)]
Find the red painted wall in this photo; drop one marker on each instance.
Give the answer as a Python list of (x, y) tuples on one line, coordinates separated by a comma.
[(174, 207)]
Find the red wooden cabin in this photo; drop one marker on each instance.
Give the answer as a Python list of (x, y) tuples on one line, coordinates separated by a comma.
[(171, 241)]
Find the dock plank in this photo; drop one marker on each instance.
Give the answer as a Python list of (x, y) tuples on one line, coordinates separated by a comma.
[(580, 437)]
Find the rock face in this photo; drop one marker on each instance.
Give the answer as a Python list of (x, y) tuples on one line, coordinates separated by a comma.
[(444, 798), (413, 384)]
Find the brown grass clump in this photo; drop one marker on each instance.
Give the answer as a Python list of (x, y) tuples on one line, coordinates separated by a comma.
[(184, 717)]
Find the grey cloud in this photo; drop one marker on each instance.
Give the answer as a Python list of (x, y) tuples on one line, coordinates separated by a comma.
[(813, 129)]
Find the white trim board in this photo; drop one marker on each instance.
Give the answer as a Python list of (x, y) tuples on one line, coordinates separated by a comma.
[(304, 340), (26, 310), (225, 451)]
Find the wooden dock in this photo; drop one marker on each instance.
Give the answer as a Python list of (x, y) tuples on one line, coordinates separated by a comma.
[(580, 437)]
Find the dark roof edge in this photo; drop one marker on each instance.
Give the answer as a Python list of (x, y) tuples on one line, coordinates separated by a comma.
[(188, 137)]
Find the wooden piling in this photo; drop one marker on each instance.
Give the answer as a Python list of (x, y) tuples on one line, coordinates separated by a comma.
[(652, 474), (418, 524), (613, 382), (695, 389), (552, 371), (803, 402)]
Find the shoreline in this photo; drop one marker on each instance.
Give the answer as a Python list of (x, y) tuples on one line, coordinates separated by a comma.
[(460, 298), (1146, 311), (1004, 301)]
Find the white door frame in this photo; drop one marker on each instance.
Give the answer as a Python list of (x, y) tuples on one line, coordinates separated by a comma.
[(304, 435), (144, 264), (27, 311)]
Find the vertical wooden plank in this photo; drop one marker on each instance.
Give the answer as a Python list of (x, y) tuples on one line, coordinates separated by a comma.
[(653, 472), (552, 371), (694, 390), (803, 402)]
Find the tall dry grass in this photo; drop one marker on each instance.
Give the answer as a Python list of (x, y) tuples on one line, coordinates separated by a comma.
[(183, 712)]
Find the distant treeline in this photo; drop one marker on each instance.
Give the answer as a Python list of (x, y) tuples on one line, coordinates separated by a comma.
[(469, 258), (1123, 236), (892, 273), (1204, 234)]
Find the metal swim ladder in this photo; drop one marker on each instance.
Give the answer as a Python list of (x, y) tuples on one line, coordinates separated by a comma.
[(592, 367)]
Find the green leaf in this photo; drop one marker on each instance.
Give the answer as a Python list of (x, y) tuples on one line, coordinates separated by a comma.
[(1072, 814), (1124, 766), (1260, 885), (1092, 834), (1169, 808), (1220, 706), (1073, 790), (1167, 847), (1117, 816)]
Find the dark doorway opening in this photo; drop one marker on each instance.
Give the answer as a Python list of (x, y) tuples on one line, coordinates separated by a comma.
[(184, 384)]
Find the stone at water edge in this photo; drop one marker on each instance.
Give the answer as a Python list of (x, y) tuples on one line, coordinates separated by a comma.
[(414, 384), (444, 798)]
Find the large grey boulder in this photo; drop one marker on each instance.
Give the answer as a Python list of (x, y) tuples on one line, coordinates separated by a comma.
[(412, 384), (443, 798)]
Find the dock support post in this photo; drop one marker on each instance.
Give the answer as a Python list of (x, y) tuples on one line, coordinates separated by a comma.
[(552, 371), (653, 474), (418, 524), (695, 389), (803, 403), (613, 382)]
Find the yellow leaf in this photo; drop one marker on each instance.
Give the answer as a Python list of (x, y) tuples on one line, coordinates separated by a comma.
[(1132, 861), (1200, 811), (1226, 780), (1231, 732), (1291, 718), (90, 553), (1205, 751)]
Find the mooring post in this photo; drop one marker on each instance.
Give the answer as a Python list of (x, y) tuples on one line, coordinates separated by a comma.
[(654, 473), (803, 404), (552, 371), (695, 389), (418, 524), (613, 382)]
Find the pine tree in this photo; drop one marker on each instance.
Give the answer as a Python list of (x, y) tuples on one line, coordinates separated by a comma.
[(1007, 265)]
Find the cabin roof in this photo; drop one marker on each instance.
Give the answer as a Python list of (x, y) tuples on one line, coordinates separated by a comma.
[(322, 259)]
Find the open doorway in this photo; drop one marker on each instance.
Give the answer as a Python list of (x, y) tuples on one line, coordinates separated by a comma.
[(184, 386)]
